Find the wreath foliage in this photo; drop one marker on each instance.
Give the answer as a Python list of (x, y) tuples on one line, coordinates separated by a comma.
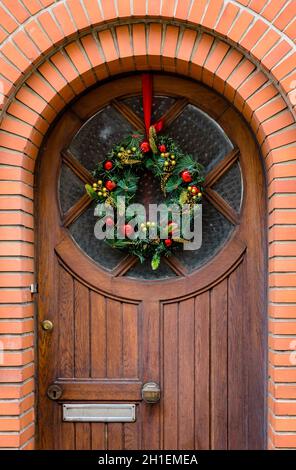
[(180, 178)]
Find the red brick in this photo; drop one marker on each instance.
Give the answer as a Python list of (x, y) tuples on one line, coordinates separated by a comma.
[(93, 11), (7, 21), (212, 13), (25, 44), (16, 9), (51, 27), (78, 14), (240, 25), (108, 8), (254, 35), (276, 54), (272, 9), (286, 16), (182, 9), (197, 11), (227, 19), (32, 5), (64, 19)]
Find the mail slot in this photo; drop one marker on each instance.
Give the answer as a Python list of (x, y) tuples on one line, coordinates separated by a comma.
[(100, 413)]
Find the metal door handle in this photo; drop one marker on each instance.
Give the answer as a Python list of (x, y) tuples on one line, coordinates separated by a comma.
[(151, 392)]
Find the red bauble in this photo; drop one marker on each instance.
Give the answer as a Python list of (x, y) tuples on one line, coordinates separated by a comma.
[(186, 176), (145, 147), (128, 230), (172, 226), (162, 149), (195, 190), (168, 242), (108, 165), (110, 185), (109, 222)]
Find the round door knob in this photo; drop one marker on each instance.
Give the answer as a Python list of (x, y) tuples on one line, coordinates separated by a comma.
[(151, 392), (47, 325)]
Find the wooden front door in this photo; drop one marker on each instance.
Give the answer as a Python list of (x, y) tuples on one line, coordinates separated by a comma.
[(196, 327)]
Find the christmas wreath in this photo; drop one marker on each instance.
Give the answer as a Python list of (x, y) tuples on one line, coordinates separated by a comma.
[(117, 176)]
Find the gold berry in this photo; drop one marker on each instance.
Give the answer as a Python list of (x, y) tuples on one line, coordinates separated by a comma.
[(148, 224), (173, 157), (166, 154), (134, 149), (199, 194), (166, 163), (142, 225), (189, 188), (100, 182), (173, 163), (119, 154), (193, 191), (100, 193), (129, 151), (162, 155), (95, 185), (122, 149)]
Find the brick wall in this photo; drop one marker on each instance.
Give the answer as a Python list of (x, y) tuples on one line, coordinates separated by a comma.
[(53, 51)]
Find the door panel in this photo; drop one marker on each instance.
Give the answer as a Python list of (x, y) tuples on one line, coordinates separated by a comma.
[(197, 329)]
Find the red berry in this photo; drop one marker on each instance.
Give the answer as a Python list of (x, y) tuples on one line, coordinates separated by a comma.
[(108, 165), (110, 185), (145, 147), (162, 148), (186, 176), (109, 222), (172, 226), (168, 242), (195, 190), (128, 230)]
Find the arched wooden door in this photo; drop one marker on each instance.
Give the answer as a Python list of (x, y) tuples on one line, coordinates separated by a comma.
[(196, 327)]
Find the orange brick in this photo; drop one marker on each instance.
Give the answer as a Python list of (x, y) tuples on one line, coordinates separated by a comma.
[(108, 46), (7, 21), (16, 9), (91, 49), (78, 14), (272, 9), (8, 71), (203, 48), (212, 13), (139, 45), (153, 8), (187, 44), (197, 11), (39, 37), (257, 5), (240, 25), (154, 44), (170, 41), (66, 68), (282, 170), (77, 57), (51, 27), (265, 44), (254, 34), (227, 19), (182, 9), (32, 5), (270, 109), (65, 21), (25, 44), (282, 265), (282, 280), (14, 327), (276, 54), (286, 16), (17, 311), (278, 122), (108, 8), (285, 67), (124, 42), (12, 53), (283, 327), (93, 11)]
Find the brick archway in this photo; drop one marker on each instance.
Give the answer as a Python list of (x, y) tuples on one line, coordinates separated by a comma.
[(233, 47)]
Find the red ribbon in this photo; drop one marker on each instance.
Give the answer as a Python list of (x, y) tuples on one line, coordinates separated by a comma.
[(147, 91)]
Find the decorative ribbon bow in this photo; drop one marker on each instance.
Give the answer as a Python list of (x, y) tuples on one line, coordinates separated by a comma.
[(151, 130)]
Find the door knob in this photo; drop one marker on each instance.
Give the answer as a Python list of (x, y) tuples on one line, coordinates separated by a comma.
[(151, 392), (47, 325)]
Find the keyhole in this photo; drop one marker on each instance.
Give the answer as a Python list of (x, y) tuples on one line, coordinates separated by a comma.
[(54, 394)]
